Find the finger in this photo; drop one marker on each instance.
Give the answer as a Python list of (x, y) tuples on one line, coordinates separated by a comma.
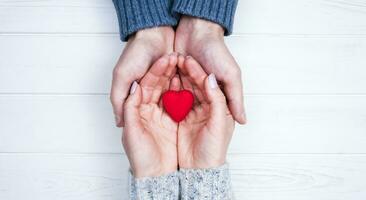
[(197, 76), (119, 91), (165, 79), (215, 97), (175, 83), (195, 72), (181, 62), (131, 106), (152, 77), (234, 93), (185, 82), (183, 74), (199, 94)]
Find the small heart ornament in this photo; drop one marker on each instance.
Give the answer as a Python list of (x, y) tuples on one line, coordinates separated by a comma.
[(178, 103)]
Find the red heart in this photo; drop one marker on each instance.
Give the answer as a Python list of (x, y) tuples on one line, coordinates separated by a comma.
[(178, 103)]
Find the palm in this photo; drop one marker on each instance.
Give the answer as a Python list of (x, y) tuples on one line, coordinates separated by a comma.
[(200, 134), (199, 137), (191, 136), (150, 135), (215, 58), (157, 138), (209, 50), (141, 51)]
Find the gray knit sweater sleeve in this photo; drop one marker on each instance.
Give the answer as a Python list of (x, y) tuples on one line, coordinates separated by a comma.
[(134, 15), (192, 184), (219, 11), (164, 187), (206, 184)]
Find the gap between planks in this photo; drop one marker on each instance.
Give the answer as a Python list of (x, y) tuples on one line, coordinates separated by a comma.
[(50, 94), (116, 34), (229, 154)]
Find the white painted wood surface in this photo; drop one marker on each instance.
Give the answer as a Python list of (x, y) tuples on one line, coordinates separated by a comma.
[(260, 177), (278, 124), (83, 63), (304, 64)]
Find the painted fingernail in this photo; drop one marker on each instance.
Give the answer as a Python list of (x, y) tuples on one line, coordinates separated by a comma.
[(212, 81), (133, 87), (244, 116), (118, 119)]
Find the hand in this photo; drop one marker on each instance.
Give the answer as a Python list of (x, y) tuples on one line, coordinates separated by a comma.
[(142, 49), (204, 136), (150, 136), (204, 40)]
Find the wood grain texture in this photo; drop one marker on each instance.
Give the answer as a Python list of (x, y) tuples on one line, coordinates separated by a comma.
[(303, 64), (254, 177), (277, 124), (270, 65), (253, 17)]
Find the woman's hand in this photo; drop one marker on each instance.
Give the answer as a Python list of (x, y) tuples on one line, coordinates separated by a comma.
[(141, 51), (150, 136), (204, 136)]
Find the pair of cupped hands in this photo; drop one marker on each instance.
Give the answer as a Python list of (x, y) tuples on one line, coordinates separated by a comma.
[(157, 145), (154, 143)]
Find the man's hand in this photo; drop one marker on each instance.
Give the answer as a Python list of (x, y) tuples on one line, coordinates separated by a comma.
[(204, 40), (150, 136), (141, 51)]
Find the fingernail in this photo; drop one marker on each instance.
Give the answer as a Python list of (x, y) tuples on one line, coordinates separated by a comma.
[(133, 87), (118, 119), (244, 117), (188, 57), (212, 81)]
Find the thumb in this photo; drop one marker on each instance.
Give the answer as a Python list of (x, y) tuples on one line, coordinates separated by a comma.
[(215, 97), (131, 106)]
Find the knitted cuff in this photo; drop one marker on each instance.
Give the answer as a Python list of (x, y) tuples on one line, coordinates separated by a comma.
[(212, 184), (219, 11), (162, 187), (134, 15)]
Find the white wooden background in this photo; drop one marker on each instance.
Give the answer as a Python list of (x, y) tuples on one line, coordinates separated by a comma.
[(304, 64)]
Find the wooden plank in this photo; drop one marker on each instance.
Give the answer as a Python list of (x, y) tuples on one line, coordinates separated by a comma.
[(277, 124), (50, 16), (313, 17), (254, 177), (271, 64), (59, 64), (253, 17)]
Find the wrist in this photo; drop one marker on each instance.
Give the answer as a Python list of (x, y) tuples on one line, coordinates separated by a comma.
[(156, 41), (200, 27), (156, 33), (202, 163), (207, 164), (153, 172)]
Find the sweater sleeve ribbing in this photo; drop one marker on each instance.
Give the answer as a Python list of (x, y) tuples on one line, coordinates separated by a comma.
[(219, 11), (134, 15), (164, 187), (206, 184)]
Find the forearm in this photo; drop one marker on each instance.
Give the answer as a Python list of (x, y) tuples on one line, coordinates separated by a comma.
[(164, 187), (200, 184)]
